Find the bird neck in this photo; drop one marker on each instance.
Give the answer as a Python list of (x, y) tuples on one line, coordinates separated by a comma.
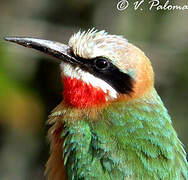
[(132, 139), (79, 94)]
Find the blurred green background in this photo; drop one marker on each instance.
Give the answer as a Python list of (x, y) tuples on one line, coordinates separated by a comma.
[(30, 83)]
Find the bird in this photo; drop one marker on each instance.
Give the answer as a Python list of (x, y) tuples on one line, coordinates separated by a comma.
[(111, 123)]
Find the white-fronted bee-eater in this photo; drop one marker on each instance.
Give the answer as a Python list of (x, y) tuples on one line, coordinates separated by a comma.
[(111, 123)]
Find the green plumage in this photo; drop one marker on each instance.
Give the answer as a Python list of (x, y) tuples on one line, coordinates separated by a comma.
[(125, 140), (128, 140)]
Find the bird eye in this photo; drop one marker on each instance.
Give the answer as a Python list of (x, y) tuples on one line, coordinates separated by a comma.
[(101, 63)]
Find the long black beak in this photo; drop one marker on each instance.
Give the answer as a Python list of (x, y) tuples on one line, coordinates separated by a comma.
[(52, 48)]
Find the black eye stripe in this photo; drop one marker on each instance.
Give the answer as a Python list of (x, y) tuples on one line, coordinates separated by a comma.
[(120, 81)]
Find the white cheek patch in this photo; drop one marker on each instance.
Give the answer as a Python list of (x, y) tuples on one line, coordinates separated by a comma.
[(69, 71)]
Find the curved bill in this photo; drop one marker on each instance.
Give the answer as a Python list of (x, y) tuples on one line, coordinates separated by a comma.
[(52, 48)]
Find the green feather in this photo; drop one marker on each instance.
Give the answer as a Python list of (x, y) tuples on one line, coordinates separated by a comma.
[(127, 140)]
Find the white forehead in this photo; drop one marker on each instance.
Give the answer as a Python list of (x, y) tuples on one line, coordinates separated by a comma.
[(93, 43)]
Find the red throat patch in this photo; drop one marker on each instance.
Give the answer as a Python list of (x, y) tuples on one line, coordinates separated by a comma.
[(82, 95)]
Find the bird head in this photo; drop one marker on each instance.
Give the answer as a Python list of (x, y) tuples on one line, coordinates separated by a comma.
[(97, 68)]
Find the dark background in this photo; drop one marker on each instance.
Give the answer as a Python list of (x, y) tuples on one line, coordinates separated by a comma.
[(30, 83)]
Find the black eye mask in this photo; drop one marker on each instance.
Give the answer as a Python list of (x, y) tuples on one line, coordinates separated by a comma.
[(102, 68)]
